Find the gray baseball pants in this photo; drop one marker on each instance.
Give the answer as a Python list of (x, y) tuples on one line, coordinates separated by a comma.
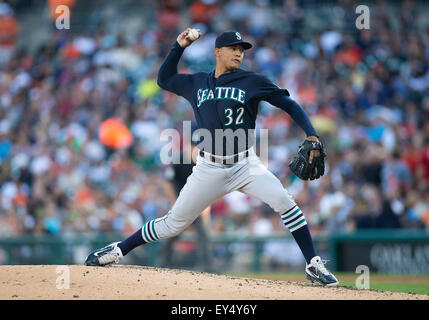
[(210, 181)]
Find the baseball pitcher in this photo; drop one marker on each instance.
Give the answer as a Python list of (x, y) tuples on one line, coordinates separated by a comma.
[(225, 102)]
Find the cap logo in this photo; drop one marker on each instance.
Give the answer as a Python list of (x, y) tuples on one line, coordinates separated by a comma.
[(238, 35)]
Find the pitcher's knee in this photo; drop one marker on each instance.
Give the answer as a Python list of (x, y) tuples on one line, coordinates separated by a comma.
[(282, 202), (170, 225), (175, 230)]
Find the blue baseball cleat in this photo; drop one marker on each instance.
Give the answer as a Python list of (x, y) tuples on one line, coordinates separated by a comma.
[(105, 256), (317, 272)]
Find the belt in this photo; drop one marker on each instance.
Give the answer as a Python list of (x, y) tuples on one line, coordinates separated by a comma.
[(227, 159)]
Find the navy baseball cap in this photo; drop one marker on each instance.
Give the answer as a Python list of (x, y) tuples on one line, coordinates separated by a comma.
[(230, 38)]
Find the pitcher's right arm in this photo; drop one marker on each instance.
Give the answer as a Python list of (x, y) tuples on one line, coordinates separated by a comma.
[(168, 77)]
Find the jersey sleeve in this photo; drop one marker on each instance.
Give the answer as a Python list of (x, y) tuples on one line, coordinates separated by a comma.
[(266, 88), (270, 92), (168, 77), (296, 112)]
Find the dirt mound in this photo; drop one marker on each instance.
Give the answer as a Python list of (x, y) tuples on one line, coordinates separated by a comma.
[(131, 282)]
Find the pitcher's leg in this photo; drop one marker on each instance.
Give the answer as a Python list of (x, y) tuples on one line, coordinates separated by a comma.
[(263, 185), (204, 186), (260, 183), (266, 187)]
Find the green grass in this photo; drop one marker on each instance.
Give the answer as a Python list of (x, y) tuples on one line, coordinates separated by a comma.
[(418, 288), (418, 284)]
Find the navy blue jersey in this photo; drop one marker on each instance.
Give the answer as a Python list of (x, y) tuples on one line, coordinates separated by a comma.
[(228, 102)]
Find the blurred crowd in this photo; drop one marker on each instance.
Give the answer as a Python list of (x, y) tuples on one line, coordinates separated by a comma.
[(367, 92)]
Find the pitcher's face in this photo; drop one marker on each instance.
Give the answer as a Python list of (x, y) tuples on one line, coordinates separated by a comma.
[(230, 57)]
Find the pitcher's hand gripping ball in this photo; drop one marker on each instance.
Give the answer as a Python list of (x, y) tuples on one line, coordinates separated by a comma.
[(301, 166), (194, 34)]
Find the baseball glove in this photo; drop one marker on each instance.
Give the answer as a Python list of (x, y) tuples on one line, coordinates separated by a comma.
[(301, 166)]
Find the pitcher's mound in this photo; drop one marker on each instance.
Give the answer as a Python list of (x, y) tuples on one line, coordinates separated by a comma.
[(131, 282)]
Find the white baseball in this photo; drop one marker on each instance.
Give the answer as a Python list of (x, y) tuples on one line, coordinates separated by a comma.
[(193, 34)]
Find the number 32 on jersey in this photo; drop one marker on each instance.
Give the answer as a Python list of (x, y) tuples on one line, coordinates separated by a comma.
[(234, 117)]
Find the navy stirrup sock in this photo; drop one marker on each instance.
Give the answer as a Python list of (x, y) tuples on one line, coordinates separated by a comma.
[(131, 242), (295, 221), (143, 235), (305, 242)]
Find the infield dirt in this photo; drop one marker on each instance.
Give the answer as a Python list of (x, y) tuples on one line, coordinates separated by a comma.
[(49, 282)]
